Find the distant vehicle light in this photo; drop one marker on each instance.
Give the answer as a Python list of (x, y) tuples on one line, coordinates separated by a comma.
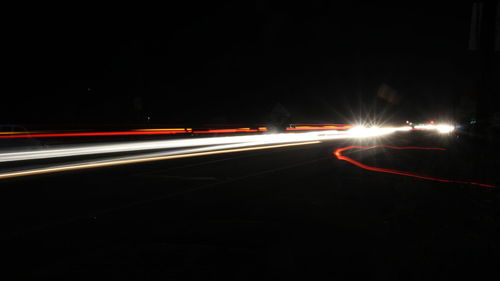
[(445, 128)]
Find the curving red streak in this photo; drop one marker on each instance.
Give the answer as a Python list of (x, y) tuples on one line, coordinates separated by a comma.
[(338, 154)]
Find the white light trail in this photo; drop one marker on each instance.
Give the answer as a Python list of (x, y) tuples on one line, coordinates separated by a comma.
[(93, 149), (211, 150), (137, 146), (186, 148)]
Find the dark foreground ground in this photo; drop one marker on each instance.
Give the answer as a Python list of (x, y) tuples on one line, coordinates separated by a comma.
[(295, 213)]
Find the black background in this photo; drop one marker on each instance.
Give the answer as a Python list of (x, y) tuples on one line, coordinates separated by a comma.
[(232, 62)]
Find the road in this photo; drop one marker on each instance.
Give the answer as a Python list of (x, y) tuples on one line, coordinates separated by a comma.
[(287, 213)]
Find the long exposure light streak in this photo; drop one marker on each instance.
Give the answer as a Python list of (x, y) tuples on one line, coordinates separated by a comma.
[(216, 131), (178, 146), (94, 134), (340, 156), (312, 127), (146, 158), (89, 149), (136, 146), (160, 131), (442, 128)]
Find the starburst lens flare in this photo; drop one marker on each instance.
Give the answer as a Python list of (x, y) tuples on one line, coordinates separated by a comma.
[(374, 131)]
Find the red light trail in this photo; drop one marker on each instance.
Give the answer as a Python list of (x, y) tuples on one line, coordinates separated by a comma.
[(90, 134), (338, 154), (168, 131), (312, 127), (229, 131), (17, 135)]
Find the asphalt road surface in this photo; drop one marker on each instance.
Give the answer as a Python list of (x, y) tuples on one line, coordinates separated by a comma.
[(289, 213)]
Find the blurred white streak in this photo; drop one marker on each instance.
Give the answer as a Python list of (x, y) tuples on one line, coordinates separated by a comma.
[(137, 146), (205, 151)]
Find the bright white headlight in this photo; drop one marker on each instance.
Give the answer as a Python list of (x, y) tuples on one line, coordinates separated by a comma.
[(444, 128)]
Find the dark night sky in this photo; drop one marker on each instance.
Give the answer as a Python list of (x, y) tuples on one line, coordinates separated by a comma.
[(232, 62)]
